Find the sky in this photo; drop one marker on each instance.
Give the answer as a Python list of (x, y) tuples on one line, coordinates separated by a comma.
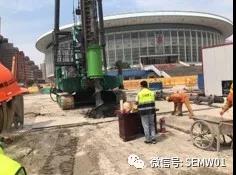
[(24, 21)]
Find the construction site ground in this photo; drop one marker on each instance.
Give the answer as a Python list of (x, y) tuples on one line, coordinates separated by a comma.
[(58, 142)]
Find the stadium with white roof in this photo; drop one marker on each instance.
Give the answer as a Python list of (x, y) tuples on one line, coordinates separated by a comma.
[(152, 37)]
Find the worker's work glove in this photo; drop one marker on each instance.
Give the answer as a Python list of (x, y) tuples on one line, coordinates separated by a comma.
[(221, 113), (223, 110)]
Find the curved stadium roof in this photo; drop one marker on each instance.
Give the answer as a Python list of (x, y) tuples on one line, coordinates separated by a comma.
[(222, 24)]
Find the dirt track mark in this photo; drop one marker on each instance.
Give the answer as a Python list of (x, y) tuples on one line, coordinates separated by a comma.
[(87, 156), (61, 159)]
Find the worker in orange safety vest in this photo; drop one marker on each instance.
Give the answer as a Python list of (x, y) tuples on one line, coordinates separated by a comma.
[(229, 102), (178, 99)]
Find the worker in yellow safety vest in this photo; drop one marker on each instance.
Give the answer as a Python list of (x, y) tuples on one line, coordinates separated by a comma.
[(9, 166), (146, 107)]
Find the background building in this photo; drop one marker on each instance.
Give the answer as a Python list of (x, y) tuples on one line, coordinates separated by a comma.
[(27, 71), (152, 38), (7, 51)]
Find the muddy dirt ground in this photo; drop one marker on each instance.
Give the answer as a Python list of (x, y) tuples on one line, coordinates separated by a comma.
[(94, 148)]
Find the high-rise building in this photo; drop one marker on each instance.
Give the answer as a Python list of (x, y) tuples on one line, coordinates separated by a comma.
[(7, 51), (26, 70)]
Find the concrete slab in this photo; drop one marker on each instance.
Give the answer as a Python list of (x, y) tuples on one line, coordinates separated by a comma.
[(183, 123), (41, 111), (180, 123)]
